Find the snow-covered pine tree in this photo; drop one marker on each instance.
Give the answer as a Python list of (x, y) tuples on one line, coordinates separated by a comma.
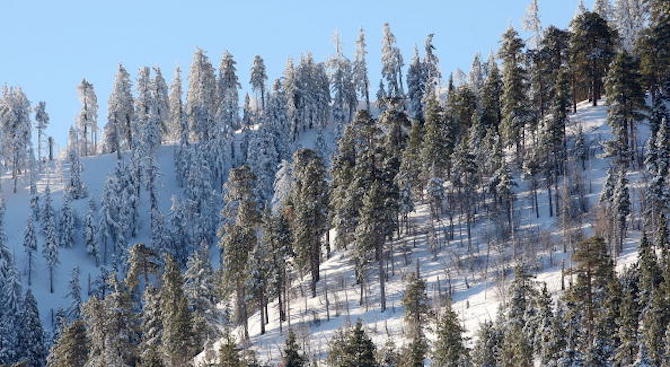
[(71, 348), (449, 349), (514, 112), (200, 291), (152, 328), (603, 8), (257, 79), (66, 225), (237, 236), (177, 128), (310, 203), (87, 121), (120, 115), (416, 85), (42, 119), (31, 349), (228, 103), (360, 70), (74, 293), (533, 24), (201, 98), (30, 245), (90, 233), (160, 105), (15, 128), (177, 338), (50, 250), (392, 63), (342, 86)]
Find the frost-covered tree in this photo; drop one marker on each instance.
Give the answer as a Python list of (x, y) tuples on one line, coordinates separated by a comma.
[(87, 121), (66, 225), (152, 329), (201, 98), (15, 130), (533, 24), (258, 77), (228, 103), (42, 119), (177, 128), (238, 235), (120, 115), (392, 63), (50, 250), (360, 70), (177, 344), (160, 105), (342, 85), (71, 348), (31, 348), (310, 203), (74, 294), (90, 233), (75, 186), (30, 246)]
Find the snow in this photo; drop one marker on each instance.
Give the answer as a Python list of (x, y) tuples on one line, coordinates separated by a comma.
[(475, 303), (450, 268)]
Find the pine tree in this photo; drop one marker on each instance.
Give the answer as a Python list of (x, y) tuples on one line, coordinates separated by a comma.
[(152, 327), (533, 24), (50, 250), (90, 233), (87, 121), (30, 245), (490, 97), (258, 78), (449, 349), (229, 353), (177, 339), (621, 208), (417, 310), (227, 94), (71, 348), (66, 227), (15, 128), (201, 98), (360, 70), (42, 119), (237, 235), (74, 293), (592, 45), (200, 291), (416, 86), (514, 113), (120, 115), (626, 103), (310, 203), (177, 125), (355, 349), (161, 105), (392, 63), (31, 348), (292, 356)]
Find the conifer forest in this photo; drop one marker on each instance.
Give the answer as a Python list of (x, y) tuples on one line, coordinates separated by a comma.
[(516, 214)]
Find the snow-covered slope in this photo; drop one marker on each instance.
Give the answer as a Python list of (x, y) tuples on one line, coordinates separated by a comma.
[(476, 286)]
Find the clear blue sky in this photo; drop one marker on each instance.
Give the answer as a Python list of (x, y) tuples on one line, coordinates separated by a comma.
[(49, 46)]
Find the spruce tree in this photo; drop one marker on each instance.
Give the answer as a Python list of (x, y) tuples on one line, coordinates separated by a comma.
[(66, 227), (360, 70), (258, 78), (513, 111), (152, 328)]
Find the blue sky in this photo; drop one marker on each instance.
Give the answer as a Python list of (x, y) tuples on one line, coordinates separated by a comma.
[(49, 46)]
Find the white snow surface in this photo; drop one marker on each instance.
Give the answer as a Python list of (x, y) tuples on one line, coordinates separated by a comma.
[(475, 303)]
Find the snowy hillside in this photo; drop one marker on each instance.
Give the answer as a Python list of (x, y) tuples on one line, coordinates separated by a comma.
[(477, 283)]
